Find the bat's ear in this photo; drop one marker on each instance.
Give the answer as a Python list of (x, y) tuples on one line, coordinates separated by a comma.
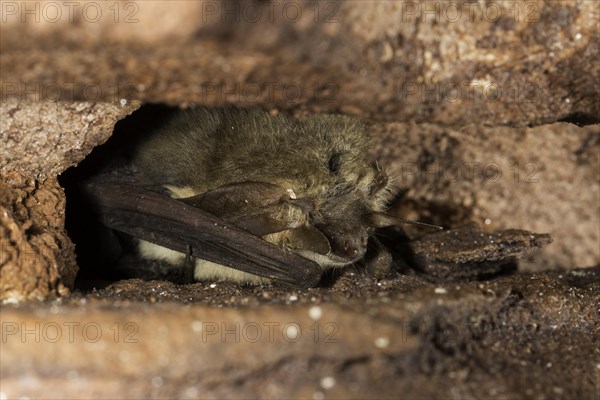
[(308, 238), (257, 207), (381, 220), (230, 199), (264, 223)]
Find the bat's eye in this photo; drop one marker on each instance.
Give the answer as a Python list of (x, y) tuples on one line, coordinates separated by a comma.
[(334, 163)]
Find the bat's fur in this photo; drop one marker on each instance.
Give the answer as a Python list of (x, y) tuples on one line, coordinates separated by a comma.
[(322, 158)]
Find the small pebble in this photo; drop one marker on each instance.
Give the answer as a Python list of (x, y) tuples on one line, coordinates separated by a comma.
[(197, 326), (440, 290), (292, 331), (557, 390), (315, 312), (328, 382), (382, 342)]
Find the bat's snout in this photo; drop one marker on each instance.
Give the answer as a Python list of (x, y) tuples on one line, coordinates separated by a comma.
[(348, 244), (355, 247)]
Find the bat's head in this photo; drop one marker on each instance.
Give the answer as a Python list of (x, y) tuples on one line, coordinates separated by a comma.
[(346, 215), (346, 189)]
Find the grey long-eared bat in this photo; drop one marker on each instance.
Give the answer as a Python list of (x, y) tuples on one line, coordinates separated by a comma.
[(248, 196)]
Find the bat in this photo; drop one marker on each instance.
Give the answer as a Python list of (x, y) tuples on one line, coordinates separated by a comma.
[(243, 195)]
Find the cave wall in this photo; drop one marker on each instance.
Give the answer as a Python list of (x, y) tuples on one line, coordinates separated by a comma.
[(542, 179), (501, 63), (39, 141), (455, 84)]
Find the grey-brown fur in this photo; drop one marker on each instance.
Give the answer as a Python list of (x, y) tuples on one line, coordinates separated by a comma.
[(208, 148)]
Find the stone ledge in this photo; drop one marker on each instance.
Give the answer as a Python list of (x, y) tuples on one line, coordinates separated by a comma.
[(373, 340)]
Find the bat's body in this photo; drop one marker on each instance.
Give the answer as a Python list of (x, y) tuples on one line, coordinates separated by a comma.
[(305, 185)]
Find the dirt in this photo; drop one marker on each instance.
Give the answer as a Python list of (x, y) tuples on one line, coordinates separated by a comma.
[(525, 335)]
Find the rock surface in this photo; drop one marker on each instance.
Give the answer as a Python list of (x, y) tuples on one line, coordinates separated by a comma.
[(40, 140), (505, 63), (526, 335), (470, 251), (544, 179)]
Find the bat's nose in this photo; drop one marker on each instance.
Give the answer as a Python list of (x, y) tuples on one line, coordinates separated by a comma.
[(347, 242), (355, 246)]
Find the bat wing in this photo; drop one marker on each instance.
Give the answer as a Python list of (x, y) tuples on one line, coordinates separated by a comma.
[(252, 206), (264, 208), (145, 214)]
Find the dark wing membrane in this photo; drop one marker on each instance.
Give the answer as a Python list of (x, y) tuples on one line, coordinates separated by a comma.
[(174, 224)]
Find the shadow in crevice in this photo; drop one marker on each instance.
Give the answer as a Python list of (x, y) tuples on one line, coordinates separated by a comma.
[(581, 119), (98, 248)]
